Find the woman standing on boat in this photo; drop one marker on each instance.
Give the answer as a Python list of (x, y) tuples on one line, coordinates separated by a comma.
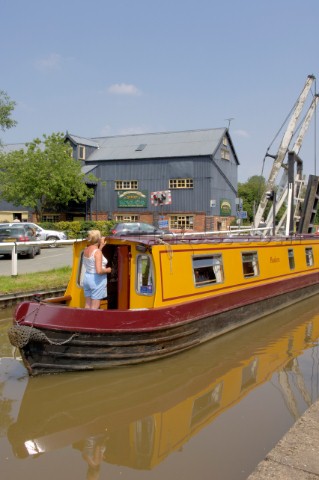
[(95, 280)]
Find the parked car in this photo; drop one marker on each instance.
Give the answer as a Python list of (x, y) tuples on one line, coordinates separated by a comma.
[(41, 233), (18, 233), (136, 229)]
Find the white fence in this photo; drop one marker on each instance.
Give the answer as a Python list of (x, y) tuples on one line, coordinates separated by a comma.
[(50, 243)]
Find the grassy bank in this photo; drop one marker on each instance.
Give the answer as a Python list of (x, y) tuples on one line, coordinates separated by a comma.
[(57, 278)]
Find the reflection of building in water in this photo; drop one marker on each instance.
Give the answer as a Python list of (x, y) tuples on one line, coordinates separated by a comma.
[(137, 418)]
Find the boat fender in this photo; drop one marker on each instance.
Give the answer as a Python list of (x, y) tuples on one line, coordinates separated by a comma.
[(21, 335)]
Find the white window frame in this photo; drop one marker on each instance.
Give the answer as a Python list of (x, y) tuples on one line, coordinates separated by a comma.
[(126, 185), (180, 183), (81, 152), (225, 155), (127, 218), (309, 256), (250, 264), (141, 288), (181, 222), (208, 269)]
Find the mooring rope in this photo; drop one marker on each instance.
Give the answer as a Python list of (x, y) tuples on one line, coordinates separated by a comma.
[(32, 312)]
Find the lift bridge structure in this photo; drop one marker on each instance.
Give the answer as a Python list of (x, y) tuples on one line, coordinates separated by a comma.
[(291, 195)]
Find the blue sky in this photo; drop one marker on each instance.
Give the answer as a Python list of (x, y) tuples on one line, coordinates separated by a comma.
[(104, 67)]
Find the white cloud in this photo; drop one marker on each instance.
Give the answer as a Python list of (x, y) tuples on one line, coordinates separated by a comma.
[(50, 62), (123, 89)]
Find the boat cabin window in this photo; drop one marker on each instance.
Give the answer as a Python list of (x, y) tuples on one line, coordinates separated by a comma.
[(250, 264), (309, 257), (145, 284), (291, 258), (207, 270)]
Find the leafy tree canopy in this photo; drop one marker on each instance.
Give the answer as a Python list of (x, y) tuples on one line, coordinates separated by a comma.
[(251, 192), (44, 175), (6, 108)]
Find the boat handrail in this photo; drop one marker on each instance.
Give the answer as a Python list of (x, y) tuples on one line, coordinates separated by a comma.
[(212, 237)]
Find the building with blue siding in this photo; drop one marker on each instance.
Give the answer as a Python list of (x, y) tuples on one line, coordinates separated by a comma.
[(180, 180), (186, 180)]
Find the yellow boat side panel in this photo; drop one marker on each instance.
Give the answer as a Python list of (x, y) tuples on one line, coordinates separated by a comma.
[(174, 276), (272, 264)]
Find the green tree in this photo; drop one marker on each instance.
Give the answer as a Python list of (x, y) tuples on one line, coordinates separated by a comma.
[(43, 176), (6, 108), (250, 192)]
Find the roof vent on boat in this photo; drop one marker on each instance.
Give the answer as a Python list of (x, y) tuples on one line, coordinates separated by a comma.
[(141, 248)]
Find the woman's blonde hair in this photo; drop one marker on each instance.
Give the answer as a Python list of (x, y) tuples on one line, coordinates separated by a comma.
[(94, 237)]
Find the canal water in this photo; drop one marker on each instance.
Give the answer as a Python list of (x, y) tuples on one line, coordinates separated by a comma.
[(212, 412)]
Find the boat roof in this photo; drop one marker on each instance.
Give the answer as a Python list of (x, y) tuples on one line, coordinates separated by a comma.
[(205, 238)]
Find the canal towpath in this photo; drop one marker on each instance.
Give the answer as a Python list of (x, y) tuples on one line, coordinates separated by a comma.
[(296, 456)]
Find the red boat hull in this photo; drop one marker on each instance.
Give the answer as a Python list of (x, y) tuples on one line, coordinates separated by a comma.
[(60, 338)]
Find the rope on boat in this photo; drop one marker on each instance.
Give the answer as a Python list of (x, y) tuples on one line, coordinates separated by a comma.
[(21, 335), (169, 252)]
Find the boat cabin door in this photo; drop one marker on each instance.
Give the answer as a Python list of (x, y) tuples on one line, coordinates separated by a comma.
[(118, 281)]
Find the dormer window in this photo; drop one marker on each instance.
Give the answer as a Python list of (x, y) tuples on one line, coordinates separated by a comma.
[(225, 141), (81, 152)]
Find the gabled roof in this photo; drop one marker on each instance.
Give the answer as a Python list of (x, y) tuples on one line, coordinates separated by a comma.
[(157, 145), (190, 143), (88, 142)]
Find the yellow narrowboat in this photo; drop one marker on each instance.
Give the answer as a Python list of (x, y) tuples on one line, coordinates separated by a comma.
[(166, 294)]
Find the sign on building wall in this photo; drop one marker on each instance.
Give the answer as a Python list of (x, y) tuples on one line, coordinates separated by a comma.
[(129, 198), (163, 197), (225, 208)]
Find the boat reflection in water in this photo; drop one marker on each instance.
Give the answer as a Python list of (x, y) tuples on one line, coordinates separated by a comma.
[(137, 416)]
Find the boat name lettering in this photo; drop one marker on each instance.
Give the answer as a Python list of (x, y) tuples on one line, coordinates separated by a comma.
[(274, 259)]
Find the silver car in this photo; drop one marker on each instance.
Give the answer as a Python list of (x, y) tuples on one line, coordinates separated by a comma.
[(18, 233), (41, 233)]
